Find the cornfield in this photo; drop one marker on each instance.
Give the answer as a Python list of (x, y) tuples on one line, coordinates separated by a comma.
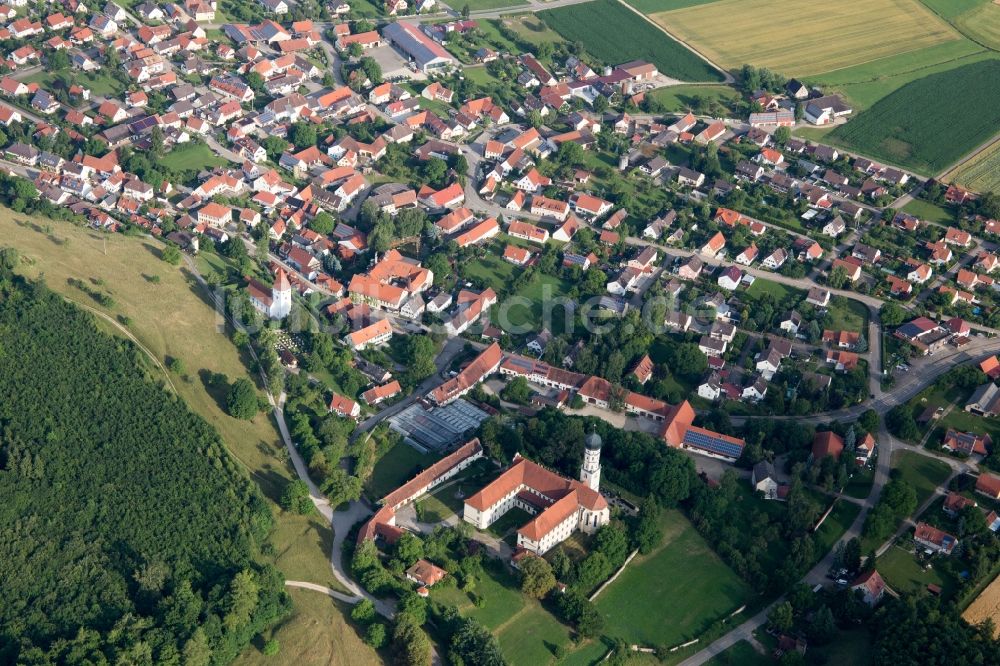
[(613, 34), (932, 122)]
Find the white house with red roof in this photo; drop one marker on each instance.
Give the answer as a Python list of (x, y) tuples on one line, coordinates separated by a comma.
[(871, 586)]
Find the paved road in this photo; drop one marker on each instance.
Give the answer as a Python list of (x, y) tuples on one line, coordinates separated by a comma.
[(339, 596), (817, 574), (340, 521), (887, 444)]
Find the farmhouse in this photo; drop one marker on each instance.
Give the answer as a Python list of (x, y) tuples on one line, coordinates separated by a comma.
[(679, 431), (374, 334), (988, 485), (985, 400), (374, 396), (827, 443), (390, 282), (425, 574), (871, 586), (426, 54), (763, 480), (825, 110), (344, 406)]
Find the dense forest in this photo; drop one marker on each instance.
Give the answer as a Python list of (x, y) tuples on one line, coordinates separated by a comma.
[(127, 534)]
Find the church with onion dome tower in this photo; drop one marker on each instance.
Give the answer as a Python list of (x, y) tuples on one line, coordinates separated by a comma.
[(559, 506), (590, 470)]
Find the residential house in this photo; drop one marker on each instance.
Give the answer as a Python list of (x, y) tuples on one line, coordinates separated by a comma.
[(966, 443), (934, 540), (764, 480), (989, 485), (870, 586)]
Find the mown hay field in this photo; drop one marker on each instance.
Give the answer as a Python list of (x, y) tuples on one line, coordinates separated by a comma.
[(986, 607), (613, 34), (981, 24), (982, 173), (799, 38), (919, 126)]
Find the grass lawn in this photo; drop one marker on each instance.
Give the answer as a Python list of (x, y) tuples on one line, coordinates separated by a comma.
[(527, 633), (869, 82), (431, 509), (743, 654), (101, 83), (849, 647), (835, 525), (924, 473), (498, 587), (677, 99), (531, 308), (510, 521), (860, 485), (315, 633), (590, 653), (491, 269), (852, 317), (192, 156), (780, 291), (480, 76), (651, 604), (164, 317), (212, 264), (530, 637), (530, 28), (292, 532), (931, 212), (903, 573), (793, 37), (817, 134), (398, 465)]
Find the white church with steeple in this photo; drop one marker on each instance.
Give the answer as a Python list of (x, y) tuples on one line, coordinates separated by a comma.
[(275, 301)]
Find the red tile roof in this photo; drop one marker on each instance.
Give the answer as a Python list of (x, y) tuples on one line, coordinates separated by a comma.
[(827, 444), (488, 361), (568, 495), (988, 484)]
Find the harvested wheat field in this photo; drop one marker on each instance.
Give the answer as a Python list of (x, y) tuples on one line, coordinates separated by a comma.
[(986, 606), (799, 38)]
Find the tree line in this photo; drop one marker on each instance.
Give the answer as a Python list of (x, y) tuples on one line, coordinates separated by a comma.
[(127, 533)]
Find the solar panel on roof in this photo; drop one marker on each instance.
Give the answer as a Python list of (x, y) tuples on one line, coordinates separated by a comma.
[(711, 443)]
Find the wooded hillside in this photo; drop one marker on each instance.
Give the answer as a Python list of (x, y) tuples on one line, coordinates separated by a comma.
[(126, 532)]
